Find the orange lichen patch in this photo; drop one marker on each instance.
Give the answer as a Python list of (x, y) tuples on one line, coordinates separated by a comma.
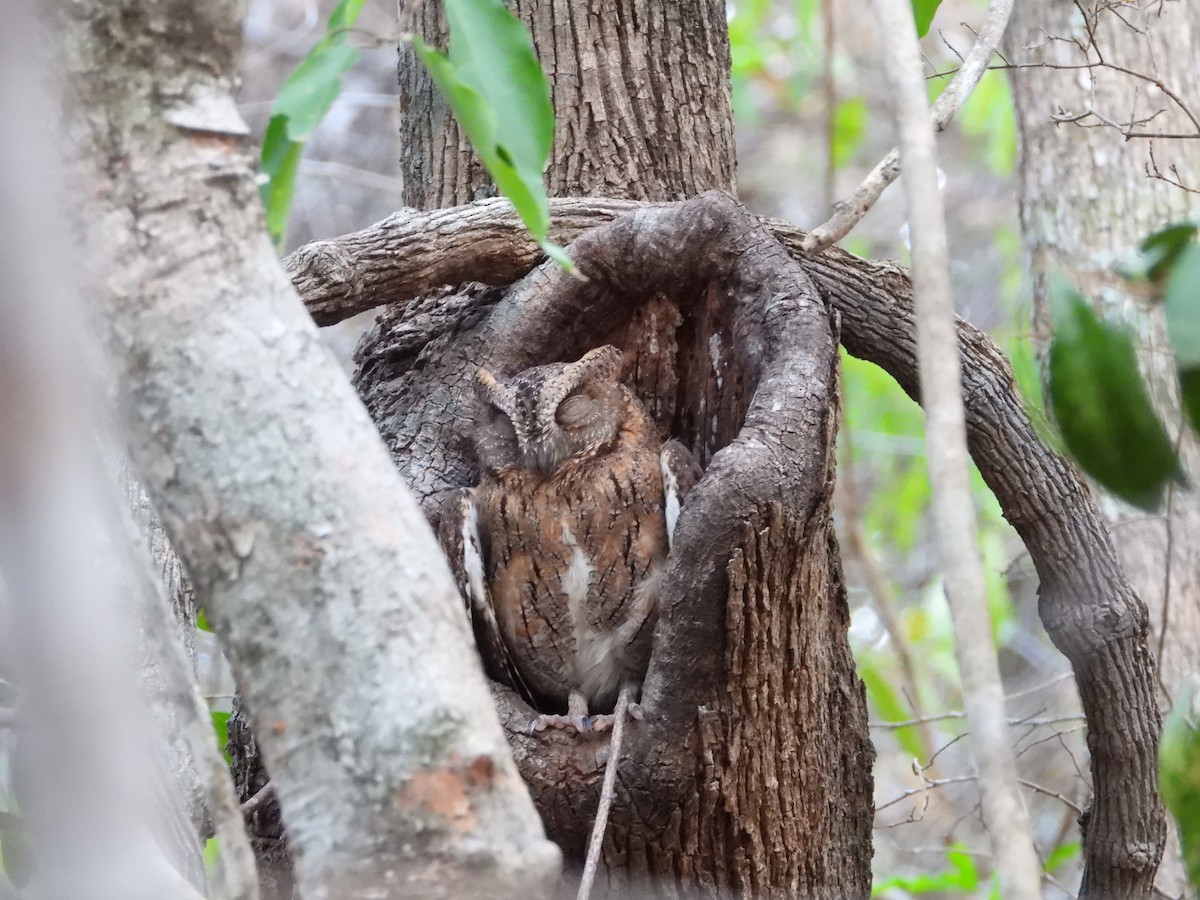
[(215, 140), (446, 792), (482, 773)]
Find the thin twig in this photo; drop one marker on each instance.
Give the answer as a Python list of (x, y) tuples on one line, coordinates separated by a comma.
[(940, 378), (258, 798), (829, 89), (925, 786), (607, 792), (1037, 788), (959, 714), (850, 211)]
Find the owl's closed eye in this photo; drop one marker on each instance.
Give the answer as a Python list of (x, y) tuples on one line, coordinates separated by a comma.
[(577, 411)]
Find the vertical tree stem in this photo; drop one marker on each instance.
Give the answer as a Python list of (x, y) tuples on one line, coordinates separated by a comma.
[(1004, 810)]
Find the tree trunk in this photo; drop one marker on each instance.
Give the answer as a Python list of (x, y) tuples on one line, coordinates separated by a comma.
[(322, 580), (641, 95), (1087, 201), (751, 773)]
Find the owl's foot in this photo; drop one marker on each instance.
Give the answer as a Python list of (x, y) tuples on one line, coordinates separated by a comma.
[(601, 724), (581, 724)]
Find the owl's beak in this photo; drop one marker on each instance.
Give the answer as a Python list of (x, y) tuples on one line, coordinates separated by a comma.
[(538, 455)]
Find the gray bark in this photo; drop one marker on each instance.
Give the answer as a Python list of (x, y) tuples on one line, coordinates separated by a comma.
[(189, 752), (320, 575), (167, 565), (1086, 203), (98, 779)]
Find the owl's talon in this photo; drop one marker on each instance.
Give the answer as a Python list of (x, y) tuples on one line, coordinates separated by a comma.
[(581, 724), (636, 712)]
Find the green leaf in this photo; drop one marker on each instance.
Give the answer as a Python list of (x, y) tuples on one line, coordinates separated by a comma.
[(345, 15), (212, 854), (494, 54), (1062, 854), (311, 89), (1161, 249), (1179, 777), (1182, 300), (1101, 404), (220, 722), (501, 98), (961, 877), (559, 255), (849, 127), (923, 12), (280, 162), (1189, 385), (301, 104), (202, 620)]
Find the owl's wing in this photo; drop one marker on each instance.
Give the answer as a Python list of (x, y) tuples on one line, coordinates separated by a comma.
[(680, 472), (462, 542)]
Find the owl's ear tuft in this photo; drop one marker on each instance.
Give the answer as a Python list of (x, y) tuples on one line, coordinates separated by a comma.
[(603, 362), (488, 389)]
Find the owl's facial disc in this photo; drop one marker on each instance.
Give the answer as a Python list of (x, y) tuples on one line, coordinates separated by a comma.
[(557, 412)]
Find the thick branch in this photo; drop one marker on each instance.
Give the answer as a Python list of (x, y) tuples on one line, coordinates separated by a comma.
[(316, 566), (1087, 605)]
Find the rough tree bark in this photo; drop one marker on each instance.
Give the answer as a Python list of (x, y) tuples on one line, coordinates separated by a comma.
[(1087, 200), (1086, 602), (326, 587), (104, 779), (752, 771)]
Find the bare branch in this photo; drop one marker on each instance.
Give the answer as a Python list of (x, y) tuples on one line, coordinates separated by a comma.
[(606, 796), (850, 211), (261, 796), (953, 508), (1153, 171)]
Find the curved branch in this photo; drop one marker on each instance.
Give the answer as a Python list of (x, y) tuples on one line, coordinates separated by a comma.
[(1087, 605), (849, 212), (734, 349)]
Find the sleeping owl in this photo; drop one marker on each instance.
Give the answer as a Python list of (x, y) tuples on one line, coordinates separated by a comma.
[(560, 549)]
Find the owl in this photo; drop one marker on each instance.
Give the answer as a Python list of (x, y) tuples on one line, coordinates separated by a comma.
[(560, 549)]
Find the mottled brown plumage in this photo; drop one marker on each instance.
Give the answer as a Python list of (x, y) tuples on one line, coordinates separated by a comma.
[(561, 547)]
